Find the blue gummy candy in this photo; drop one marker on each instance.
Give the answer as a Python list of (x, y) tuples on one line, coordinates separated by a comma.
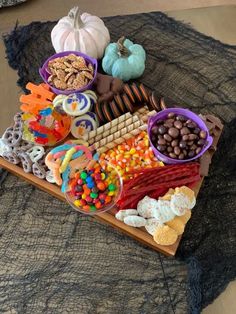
[(61, 147), (65, 178), (37, 134), (45, 112), (77, 154)]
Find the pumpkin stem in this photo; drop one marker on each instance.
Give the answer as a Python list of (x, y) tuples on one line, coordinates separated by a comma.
[(123, 51), (75, 15)]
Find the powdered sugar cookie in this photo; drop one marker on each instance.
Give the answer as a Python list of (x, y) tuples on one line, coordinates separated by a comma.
[(147, 206), (185, 190), (176, 224), (164, 235), (135, 221), (151, 225), (185, 218), (163, 212), (188, 193), (124, 213), (182, 200)]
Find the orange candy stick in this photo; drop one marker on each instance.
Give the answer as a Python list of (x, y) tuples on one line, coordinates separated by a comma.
[(33, 109), (45, 86), (32, 99), (40, 90)]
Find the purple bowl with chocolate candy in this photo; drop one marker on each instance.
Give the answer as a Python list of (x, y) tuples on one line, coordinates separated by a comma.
[(178, 135), (45, 72)]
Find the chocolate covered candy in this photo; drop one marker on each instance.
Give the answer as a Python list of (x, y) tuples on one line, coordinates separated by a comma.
[(178, 137)]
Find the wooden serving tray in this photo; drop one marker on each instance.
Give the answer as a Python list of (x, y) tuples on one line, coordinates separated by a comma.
[(107, 217)]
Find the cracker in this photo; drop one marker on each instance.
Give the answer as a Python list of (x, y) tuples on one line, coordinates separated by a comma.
[(164, 235), (176, 224), (185, 218)]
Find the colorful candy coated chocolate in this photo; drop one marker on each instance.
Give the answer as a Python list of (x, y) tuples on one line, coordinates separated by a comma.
[(94, 188)]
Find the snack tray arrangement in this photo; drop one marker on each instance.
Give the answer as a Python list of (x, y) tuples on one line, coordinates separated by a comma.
[(105, 143), (138, 234)]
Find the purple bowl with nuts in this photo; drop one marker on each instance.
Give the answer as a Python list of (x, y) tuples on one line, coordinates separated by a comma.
[(178, 135), (45, 72)]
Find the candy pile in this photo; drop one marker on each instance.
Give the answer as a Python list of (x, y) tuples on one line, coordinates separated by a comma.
[(154, 182), (42, 124), (70, 72), (134, 153), (165, 218), (93, 189), (178, 137)]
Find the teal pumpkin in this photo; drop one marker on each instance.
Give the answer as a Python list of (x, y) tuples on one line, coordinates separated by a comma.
[(124, 59)]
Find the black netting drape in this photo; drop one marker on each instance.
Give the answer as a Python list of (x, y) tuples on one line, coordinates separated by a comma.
[(54, 260)]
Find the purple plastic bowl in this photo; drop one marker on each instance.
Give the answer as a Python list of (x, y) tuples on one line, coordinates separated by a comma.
[(44, 73), (187, 113)]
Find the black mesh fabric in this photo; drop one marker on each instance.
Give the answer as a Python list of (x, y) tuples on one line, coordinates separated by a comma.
[(8, 3), (54, 260)]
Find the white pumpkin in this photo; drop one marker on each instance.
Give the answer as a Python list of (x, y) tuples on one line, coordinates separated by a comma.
[(85, 33)]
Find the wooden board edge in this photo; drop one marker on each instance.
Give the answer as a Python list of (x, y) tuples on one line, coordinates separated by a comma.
[(106, 218)]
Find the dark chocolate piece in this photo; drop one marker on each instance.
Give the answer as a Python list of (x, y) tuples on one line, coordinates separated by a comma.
[(116, 85), (205, 161)]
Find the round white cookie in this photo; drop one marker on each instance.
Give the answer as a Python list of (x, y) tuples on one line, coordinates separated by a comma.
[(147, 206), (180, 203), (135, 221), (151, 225), (58, 100), (121, 214), (164, 213)]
